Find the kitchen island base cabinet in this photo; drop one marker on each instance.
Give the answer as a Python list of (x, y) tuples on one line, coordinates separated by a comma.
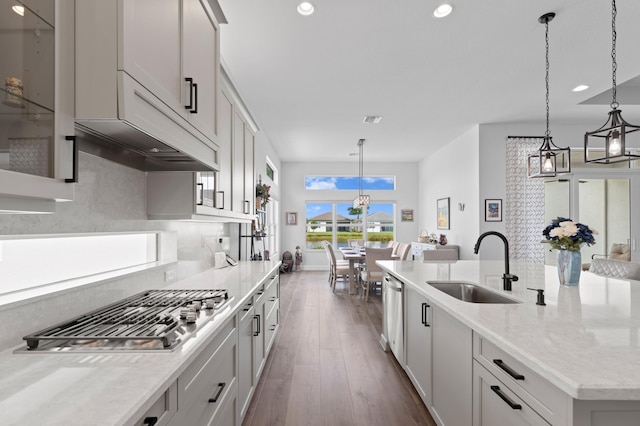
[(451, 369), (494, 404), (418, 343)]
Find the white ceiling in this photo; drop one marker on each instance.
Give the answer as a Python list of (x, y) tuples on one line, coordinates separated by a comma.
[(309, 81)]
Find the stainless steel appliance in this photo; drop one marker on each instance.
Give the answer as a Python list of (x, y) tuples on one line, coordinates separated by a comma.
[(393, 315), (151, 320)]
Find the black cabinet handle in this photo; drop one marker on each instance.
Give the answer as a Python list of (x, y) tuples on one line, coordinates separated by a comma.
[(74, 159), (221, 386), (201, 190), (505, 398), (424, 315), (195, 90), (257, 332), (273, 327), (508, 369), (189, 80), (150, 421)]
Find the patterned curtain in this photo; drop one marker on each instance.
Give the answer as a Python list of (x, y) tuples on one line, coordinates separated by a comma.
[(524, 205)]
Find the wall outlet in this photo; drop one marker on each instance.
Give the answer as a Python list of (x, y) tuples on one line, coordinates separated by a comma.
[(169, 275)]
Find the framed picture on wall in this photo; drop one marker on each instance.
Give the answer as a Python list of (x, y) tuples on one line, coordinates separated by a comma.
[(443, 213), (406, 215), (292, 218), (493, 210)]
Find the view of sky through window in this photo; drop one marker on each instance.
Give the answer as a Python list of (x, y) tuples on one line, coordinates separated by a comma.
[(328, 183)]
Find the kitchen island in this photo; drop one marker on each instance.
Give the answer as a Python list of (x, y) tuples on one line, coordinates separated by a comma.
[(584, 345), (106, 388)]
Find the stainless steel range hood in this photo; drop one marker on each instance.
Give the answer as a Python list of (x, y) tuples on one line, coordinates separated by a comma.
[(122, 143)]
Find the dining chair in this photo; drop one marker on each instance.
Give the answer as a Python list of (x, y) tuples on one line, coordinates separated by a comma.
[(338, 268), (359, 243), (402, 252), (372, 274)]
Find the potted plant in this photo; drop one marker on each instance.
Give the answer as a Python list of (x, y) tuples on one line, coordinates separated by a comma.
[(262, 195)]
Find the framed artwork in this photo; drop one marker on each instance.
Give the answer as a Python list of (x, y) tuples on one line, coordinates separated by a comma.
[(443, 213), (493, 210), (406, 215), (292, 218)]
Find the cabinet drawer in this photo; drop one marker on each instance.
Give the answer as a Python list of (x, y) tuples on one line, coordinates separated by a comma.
[(495, 404), (212, 375), (271, 326), (271, 296), (549, 401), (162, 409)]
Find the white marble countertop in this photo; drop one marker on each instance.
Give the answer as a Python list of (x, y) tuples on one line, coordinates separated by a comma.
[(586, 340), (112, 388)]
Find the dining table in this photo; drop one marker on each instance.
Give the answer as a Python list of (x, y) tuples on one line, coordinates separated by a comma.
[(353, 255)]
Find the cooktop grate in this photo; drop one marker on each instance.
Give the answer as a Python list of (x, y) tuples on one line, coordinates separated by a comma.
[(148, 320)]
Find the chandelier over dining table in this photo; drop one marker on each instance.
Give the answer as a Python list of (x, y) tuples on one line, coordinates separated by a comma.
[(362, 199)]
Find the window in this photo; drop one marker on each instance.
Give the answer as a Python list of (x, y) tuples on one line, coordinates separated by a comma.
[(271, 170), (34, 262), (339, 222), (331, 183)]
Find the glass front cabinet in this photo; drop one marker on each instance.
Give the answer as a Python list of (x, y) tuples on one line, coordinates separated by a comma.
[(38, 157)]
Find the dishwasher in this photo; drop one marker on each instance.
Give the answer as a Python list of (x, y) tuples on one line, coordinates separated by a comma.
[(393, 315)]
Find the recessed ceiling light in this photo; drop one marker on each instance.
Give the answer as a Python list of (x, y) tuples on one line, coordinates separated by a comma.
[(372, 119), (443, 10), (305, 8), (18, 9), (580, 88)]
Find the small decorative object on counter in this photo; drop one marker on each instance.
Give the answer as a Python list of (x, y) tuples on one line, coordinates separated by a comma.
[(298, 258), (266, 255), (567, 237), (443, 240)]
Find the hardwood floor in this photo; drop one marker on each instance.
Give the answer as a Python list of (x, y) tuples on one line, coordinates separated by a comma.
[(327, 367)]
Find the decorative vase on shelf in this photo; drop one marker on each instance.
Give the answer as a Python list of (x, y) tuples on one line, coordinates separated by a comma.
[(258, 203), (569, 267)]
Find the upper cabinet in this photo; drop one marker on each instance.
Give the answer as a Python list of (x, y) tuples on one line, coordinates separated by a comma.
[(36, 108), (150, 68), (236, 180)]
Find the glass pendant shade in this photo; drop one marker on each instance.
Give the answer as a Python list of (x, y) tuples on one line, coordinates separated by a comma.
[(609, 144), (549, 160)]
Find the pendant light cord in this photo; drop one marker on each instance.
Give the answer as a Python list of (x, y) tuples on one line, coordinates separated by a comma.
[(546, 38), (614, 63)]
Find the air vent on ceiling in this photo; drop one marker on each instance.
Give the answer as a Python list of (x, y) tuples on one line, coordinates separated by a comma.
[(372, 119)]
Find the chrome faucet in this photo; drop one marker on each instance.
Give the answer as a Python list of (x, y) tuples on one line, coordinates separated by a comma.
[(507, 278)]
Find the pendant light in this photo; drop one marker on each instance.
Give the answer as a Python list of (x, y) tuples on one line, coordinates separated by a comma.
[(609, 142), (548, 160), (361, 200)]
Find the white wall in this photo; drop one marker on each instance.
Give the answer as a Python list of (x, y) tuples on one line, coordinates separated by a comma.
[(452, 171), (294, 197)]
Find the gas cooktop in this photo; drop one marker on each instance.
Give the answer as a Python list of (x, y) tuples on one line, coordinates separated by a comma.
[(154, 320)]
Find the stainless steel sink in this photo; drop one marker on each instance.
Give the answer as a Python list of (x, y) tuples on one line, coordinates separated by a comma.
[(468, 292)]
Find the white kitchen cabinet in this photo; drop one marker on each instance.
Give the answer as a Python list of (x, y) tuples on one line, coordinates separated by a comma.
[(208, 388), (38, 162), (418, 343), (495, 404), (543, 397), (149, 68), (162, 410), (451, 349), (186, 196), (235, 181), (246, 356)]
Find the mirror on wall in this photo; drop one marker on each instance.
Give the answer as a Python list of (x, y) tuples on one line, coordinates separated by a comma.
[(601, 203)]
